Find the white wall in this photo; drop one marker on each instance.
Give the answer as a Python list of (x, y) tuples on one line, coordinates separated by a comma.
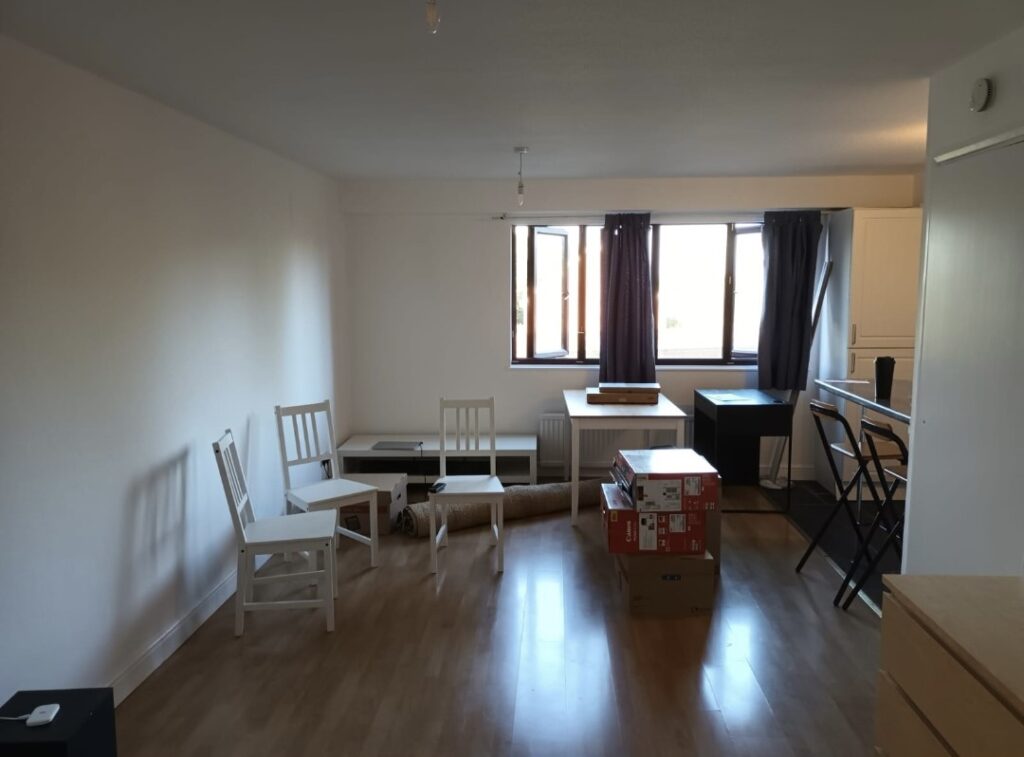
[(159, 281), (430, 296), (965, 513)]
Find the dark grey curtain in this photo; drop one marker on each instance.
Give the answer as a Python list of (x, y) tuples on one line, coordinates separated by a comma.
[(790, 251), (627, 317)]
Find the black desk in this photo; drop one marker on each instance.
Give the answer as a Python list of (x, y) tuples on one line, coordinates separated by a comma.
[(84, 726), (728, 425)]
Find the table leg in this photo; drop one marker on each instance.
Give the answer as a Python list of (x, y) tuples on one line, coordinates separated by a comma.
[(680, 433), (575, 472)]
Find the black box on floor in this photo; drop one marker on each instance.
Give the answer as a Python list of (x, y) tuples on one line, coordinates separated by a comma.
[(666, 584), (84, 726)]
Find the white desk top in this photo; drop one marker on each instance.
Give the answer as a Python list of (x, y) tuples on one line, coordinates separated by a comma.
[(576, 404), (361, 445)]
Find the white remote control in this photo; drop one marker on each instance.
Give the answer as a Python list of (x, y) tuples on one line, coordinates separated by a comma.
[(43, 714)]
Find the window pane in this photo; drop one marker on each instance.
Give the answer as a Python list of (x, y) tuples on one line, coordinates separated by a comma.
[(749, 298), (692, 291), (593, 304), (551, 292), (519, 291)]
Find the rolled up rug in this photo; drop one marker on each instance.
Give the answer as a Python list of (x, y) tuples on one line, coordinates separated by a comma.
[(520, 502)]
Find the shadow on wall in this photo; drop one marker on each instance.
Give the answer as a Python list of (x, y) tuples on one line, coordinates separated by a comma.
[(154, 583)]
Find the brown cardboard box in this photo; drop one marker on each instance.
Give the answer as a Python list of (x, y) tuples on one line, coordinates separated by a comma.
[(666, 584), (392, 493), (357, 518)]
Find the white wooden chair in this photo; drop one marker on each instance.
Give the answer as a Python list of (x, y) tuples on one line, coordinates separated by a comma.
[(285, 533), (303, 441), (466, 436)]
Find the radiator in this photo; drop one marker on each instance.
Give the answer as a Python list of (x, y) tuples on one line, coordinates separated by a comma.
[(553, 440), (597, 446)]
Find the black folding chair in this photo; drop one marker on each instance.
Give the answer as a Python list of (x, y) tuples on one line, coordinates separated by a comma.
[(881, 440), (821, 411)]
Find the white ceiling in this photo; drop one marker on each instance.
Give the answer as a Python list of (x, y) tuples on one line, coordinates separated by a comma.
[(595, 87)]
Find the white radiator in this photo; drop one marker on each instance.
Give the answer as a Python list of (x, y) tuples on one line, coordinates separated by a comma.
[(597, 446), (553, 440)]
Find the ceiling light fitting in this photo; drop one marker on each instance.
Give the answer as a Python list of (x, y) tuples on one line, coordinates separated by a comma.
[(520, 189), (433, 16)]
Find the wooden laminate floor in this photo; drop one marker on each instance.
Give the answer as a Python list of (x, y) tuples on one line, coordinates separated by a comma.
[(542, 660)]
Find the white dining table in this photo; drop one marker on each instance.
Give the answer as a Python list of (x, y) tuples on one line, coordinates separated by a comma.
[(584, 417)]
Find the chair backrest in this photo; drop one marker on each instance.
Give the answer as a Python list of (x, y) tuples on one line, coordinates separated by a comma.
[(875, 432), (235, 489), (304, 439), (820, 410), (466, 431)]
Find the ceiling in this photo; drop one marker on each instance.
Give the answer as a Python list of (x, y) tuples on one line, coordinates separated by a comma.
[(633, 88)]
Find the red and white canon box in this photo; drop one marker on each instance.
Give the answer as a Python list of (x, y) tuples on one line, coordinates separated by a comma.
[(667, 480), (628, 531)]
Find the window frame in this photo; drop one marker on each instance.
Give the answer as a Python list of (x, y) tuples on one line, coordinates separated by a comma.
[(729, 358)]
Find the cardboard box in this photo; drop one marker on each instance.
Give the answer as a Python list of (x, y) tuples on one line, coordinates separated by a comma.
[(357, 518), (628, 531), (666, 584), (667, 480), (392, 493), (606, 397)]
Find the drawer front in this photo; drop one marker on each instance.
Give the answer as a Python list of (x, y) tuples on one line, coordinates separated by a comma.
[(900, 730), (965, 713)]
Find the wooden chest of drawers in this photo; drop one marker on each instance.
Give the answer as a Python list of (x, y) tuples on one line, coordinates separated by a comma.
[(952, 678)]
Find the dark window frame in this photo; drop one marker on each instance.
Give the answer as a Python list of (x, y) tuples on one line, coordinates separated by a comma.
[(729, 356)]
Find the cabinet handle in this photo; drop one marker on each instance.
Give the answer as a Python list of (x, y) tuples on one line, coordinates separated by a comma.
[(853, 333), (853, 362)]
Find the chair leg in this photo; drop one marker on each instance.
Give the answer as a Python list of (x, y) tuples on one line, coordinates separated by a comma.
[(873, 563), (373, 530), (250, 585), (433, 535), (241, 586), (864, 550), (501, 535), (817, 537), (444, 523), (334, 563), (494, 522), (330, 583)]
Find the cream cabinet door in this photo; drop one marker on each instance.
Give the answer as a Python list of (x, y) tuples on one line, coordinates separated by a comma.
[(884, 277), (860, 363)]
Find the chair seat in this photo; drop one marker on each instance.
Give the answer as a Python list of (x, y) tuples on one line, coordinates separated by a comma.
[(286, 528), (886, 450), (331, 492), (457, 486)]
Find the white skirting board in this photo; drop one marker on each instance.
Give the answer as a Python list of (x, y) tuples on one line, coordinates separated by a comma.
[(172, 639)]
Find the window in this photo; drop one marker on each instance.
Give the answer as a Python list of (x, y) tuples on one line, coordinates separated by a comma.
[(708, 284)]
